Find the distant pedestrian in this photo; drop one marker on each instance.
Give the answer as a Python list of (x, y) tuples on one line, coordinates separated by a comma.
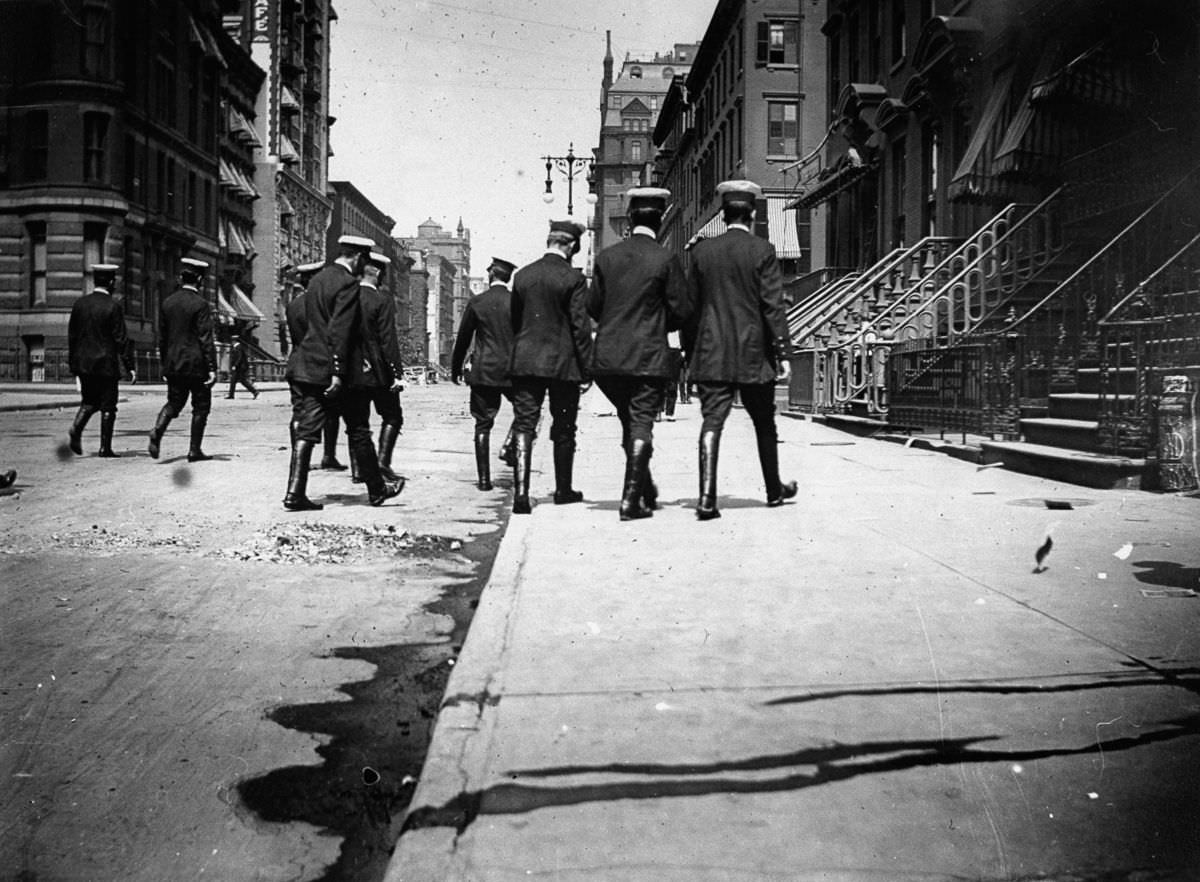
[(97, 345), (675, 375), (486, 322), (297, 327), (324, 372), (737, 340), (639, 293), (551, 351), (384, 380), (189, 357), (239, 367)]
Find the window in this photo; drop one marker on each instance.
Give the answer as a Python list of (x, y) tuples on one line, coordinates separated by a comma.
[(635, 73), (95, 147), (93, 251), (899, 33), (133, 179), (783, 128), (160, 183), (852, 53), (37, 263), (164, 87), (96, 61), (133, 293), (194, 84), (635, 151), (668, 73), (189, 196), (614, 101), (778, 43), (37, 145), (873, 43)]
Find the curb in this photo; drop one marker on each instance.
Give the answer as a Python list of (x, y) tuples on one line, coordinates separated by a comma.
[(458, 749)]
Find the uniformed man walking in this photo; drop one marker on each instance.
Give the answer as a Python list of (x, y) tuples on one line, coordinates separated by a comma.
[(639, 293), (383, 374), (97, 344), (551, 351), (322, 370), (737, 339), (239, 367), (487, 320), (189, 357)]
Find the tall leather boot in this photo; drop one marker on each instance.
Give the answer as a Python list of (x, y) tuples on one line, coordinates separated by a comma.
[(649, 491), (523, 456), (564, 468), (195, 451), (366, 464), (108, 422), (81, 420), (388, 433), (637, 467), (710, 445), (296, 498), (355, 474), (768, 458), (483, 468), (329, 457), (506, 450), (160, 427)]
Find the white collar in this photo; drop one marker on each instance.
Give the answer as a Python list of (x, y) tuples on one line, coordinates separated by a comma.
[(557, 253), (371, 285), (640, 230), (737, 227), (190, 288)]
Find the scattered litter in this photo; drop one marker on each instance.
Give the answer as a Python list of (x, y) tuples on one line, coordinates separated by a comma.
[(1059, 504), (312, 543), (1123, 552), (1093, 795), (593, 627), (663, 706), (1101, 575), (1164, 593), (988, 465), (1017, 768)]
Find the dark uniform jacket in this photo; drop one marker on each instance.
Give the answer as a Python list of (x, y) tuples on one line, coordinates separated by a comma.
[(551, 331), (738, 312), (185, 337), (296, 323), (238, 362), (381, 350), (332, 342), (638, 294), (96, 337), (487, 319)]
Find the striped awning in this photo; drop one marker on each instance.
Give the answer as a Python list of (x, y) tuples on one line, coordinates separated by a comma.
[(781, 223), (287, 152), (973, 178), (245, 307)]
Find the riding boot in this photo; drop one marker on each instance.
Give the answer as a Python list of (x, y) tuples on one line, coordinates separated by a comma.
[(108, 421), (81, 420), (329, 457), (710, 445), (564, 467), (296, 498), (506, 450), (160, 428), (483, 468), (388, 433), (195, 451), (637, 467), (768, 458), (355, 474), (523, 457), (649, 491)]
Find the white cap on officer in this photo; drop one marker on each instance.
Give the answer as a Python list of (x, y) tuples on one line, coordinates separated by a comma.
[(360, 242), (193, 265), (654, 198), (739, 191)]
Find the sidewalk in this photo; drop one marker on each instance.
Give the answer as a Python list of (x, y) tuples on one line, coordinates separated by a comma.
[(47, 396), (870, 683)]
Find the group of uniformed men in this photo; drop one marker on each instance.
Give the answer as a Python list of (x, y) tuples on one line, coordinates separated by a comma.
[(529, 343), (536, 341)]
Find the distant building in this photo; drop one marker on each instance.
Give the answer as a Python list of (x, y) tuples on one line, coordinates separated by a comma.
[(753, 104), (414, 339), (445, 312), (629, 108)]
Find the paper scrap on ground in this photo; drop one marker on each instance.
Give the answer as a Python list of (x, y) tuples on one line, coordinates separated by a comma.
[(1124, 551)]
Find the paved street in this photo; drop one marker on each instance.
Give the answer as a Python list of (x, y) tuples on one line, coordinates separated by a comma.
[(199, 685)]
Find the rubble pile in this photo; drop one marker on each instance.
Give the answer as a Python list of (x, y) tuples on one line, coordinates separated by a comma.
[(309, 543)]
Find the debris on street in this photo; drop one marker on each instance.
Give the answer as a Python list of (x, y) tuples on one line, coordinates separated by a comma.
[(313, 543)]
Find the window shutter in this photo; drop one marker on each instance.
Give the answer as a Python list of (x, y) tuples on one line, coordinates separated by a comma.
[(764, 40)]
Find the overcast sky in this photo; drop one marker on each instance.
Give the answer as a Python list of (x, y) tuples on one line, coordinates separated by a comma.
[(444, 109)]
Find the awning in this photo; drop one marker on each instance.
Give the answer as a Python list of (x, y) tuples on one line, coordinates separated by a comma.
[(285, 206), (781, 225), (1095, 78), (287, 99), (826, 188), (245, 307), (287, 152), (1033, 141), (239, 125), (232, 241), (226, 175), (226, 314), (202, 38), (973, 177)]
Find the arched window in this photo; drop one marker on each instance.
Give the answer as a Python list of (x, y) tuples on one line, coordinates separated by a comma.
[(668, 73)]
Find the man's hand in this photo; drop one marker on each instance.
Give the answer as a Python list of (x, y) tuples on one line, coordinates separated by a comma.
[(785, 370), (133, 378), (456, 379), (397, 386), (335, 387), (211, 378)]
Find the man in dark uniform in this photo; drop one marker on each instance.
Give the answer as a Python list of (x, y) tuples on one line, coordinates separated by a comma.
[(239, 367), (97, 345), (189, 357), (488, 321), (638, 294), (551, 350), (296, 328), (737, 339), (325, 364), (383, 382)]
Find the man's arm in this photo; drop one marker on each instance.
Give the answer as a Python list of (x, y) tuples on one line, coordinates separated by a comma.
[(677, 294), (343, 321), (389, 341), (466, 332), (773, 311), (208, 346)]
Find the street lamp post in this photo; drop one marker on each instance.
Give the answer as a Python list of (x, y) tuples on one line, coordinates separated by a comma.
[(570, 166)]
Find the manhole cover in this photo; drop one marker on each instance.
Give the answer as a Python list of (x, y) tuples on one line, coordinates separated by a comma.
[(1053, 502)]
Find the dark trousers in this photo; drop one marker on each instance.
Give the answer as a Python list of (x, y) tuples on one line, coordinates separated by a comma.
[(179, 389), (98, 392), (485, 405), (243, 378), (637, 400), (387, 405), (310, 409), (716, 400), (529, 393)]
